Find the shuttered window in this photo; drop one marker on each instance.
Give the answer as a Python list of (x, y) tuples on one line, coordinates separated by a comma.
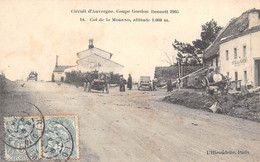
[(226, 54), (235, 53)]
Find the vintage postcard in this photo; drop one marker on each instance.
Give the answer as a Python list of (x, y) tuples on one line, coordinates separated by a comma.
[(159, 80)]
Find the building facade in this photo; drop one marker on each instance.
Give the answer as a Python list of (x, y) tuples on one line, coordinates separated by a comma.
[(95, 59), (240, 58), (95, 62), (236, 50), (58, 74)]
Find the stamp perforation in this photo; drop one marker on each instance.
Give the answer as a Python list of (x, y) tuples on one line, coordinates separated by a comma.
[(40, 142)]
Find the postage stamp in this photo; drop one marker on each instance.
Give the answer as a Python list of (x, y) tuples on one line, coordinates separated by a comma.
[(22, 138), (60, 138), (34, 138)]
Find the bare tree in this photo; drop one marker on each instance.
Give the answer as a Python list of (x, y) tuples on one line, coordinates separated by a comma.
[(168, 58)]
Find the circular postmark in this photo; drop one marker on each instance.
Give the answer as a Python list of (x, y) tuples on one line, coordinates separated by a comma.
[(34, 137), (57, 141), (33, 153), (24, 132)]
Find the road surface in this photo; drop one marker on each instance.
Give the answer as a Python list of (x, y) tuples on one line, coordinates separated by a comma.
[(138, 126)]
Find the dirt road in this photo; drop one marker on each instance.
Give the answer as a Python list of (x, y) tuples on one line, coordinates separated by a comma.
[(138, 126)]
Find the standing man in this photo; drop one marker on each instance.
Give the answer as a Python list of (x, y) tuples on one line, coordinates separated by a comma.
[(169, 85), (178, 84), (122, 84), (129, 82), (155, 81)]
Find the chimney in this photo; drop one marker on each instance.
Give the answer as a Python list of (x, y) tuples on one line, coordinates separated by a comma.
[(56, 60), (254, 18), (90, 44)]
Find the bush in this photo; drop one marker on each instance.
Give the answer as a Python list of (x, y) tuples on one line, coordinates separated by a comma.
[(78, 78), (74, 77)]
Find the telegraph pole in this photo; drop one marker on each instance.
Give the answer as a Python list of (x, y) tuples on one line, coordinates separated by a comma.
[(57, 60), (179, 75)]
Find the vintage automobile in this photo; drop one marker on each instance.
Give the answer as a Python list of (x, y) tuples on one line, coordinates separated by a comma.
[(145, 83), (32, 76), (97, 83)]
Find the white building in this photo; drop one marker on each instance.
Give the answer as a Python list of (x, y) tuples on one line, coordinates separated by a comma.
[(236, 50), (95, 59), (58, 74)]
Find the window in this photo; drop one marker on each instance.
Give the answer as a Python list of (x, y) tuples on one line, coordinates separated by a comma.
[(235, 53), (211, 63), (216, 62), (244, 51), (245, 76), (236, 76), (226, 54)]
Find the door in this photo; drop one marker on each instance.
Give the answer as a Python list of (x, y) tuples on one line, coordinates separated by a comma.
[(257, 73), (236, 79)]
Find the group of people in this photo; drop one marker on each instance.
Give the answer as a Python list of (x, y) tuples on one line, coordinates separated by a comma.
[(129, 82), (122, 83)]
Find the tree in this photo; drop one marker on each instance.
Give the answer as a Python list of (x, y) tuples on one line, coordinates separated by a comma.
[(167, 58), (200, 45), (210, 31), (188, 53)]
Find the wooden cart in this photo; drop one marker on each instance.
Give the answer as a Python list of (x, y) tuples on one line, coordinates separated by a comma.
[(214, 82)]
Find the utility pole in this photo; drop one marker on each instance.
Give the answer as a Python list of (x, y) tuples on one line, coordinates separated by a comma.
[(179, 75), (56, 60), (179, 68)]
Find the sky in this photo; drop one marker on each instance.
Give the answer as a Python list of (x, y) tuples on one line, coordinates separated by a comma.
[(32, 33)]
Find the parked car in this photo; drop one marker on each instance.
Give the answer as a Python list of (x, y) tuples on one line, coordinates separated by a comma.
[(96, 82), (145, 83), (98, 85), (33, 76)]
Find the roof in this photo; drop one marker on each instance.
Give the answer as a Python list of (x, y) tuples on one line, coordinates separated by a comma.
[(100, 57), (97, 49), (235, 27), (251, 30), (60, 68)]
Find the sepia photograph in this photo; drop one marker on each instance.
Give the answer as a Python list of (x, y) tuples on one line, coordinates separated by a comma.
[(130, 81)]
